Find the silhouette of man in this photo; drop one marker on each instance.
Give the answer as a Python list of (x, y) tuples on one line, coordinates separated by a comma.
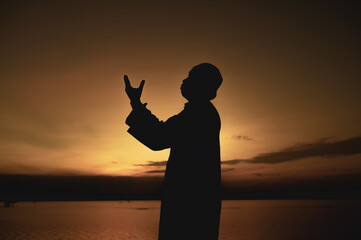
[(191, 193)]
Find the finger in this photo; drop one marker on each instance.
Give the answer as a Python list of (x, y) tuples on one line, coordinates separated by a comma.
[(141, 85), (126, 81)]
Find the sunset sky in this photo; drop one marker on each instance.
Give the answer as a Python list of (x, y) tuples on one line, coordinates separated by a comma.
[(290, 102)]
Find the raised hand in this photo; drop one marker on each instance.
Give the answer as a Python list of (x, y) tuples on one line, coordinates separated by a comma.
[(134, 94)]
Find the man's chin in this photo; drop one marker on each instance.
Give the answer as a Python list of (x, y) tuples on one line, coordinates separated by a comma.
[(184, 95)]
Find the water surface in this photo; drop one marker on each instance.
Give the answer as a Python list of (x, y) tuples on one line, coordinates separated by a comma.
[(240, 219)]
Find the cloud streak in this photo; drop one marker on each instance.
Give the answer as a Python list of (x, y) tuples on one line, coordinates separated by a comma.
[(162, 164), (315, 149), (155, 171), (320, 148), (243, 137), (153, 164), (266, 174)]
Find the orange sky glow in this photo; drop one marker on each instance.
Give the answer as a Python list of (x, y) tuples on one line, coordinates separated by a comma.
[(291, 78)]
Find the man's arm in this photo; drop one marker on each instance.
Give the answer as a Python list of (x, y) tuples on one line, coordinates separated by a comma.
[(144, 126)]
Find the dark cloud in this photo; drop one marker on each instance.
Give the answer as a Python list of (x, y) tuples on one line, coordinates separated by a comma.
[(243, 137), (339, 170), (266, 174), (232, 162), (163, 164), (155, 171), (153, 164), (61, 187), (320, 148), (227, 169)]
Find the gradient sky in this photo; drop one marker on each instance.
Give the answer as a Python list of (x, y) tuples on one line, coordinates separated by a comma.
[(290, 96)]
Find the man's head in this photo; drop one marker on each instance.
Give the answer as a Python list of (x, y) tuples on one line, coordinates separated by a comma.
[(202, 83)]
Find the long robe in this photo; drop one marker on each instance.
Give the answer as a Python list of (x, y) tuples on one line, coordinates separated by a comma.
[(191, 194)]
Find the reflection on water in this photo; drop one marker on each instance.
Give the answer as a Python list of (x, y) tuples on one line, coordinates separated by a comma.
[(246, 220)]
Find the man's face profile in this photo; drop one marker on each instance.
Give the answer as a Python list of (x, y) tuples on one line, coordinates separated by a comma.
[(190, 88)]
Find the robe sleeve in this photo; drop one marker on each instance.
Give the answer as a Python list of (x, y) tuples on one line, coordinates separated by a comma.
[(147, 129)]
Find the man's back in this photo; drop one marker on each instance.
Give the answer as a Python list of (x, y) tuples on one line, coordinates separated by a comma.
[(191, 198), (194, 161)]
